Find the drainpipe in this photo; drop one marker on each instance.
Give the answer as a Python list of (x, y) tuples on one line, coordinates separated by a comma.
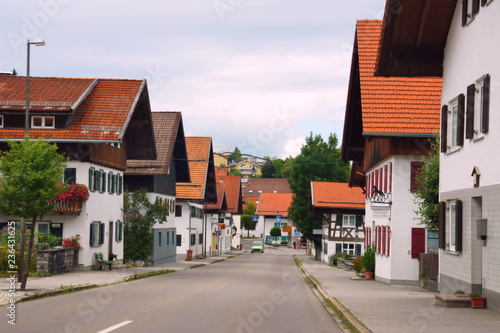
[(189, 228), (204, 249)]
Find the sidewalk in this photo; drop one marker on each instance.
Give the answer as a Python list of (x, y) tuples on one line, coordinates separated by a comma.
[(384, 308), (38, 286)]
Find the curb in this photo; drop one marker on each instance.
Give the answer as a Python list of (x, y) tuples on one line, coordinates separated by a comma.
[(54, 292), (353, 321)]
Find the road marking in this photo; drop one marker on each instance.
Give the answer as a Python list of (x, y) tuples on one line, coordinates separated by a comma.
[(112, 328)]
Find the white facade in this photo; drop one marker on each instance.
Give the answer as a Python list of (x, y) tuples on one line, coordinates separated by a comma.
[(470, 54), (189, 227), (394, 264)]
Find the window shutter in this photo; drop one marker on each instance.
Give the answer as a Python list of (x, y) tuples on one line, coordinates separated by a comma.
[(469, 125), (101, 233), (338, 247), (388, 241), (369, 187), (444, 128), (461, 115), (117, 230), (91, 180), (483, 2), (383, 240), (465, 6), (385, 178), (442, 224), (417, 242), (339, 220), (70, 175), (380, 180), (486, 103), (120, 184), (390, 177), (97, 186), (103, 186), (458, 227), (475, 7), (358, 250), (359, 221), (91, 242), (110, 182)]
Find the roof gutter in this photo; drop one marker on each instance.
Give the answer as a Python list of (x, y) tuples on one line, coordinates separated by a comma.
[(64, 140), (402, 135)]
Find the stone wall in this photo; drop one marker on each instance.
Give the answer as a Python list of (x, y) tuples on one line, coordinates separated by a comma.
[(58, 260)]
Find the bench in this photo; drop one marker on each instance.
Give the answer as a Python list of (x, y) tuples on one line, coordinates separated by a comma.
[(101, 262)]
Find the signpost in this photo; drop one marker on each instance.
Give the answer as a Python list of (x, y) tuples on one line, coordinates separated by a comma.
[(255, 219)]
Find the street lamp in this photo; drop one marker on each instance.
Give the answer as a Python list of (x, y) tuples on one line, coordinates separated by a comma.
[(356, 246), (37, 42)]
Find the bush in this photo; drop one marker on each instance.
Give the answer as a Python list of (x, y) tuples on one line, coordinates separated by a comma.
[(4, 251), (368, 260), (357, 264)]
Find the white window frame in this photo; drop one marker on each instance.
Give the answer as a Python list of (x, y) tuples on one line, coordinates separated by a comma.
[(43, 118), (348, 223), (452, 221), (349, 248), (478, 108)]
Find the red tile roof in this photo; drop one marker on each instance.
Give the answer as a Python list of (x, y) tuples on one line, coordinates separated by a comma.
[(103, 114), (336, 195), (221, 204), (166, 126), (394, 105), (198, 151), (232, 186), (274, 204), (254, 186), (221, 171)]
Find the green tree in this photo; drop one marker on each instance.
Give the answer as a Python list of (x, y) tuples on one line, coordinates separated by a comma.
[(234, 172), (275, 232), (138, 234), (235, 156), (268, 170), (426, 197), (247, 221), (31, 174), (318, 161)]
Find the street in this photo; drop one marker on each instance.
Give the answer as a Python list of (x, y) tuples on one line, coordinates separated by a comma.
[(248, 293)]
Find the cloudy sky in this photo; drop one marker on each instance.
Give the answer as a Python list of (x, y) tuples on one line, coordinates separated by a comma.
[(256, 74)]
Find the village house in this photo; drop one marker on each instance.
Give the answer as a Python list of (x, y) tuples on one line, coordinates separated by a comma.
[(191, 220), (159, 176), (387, 128), (456, 40), (272, 211), (342, 209), (97, 124)]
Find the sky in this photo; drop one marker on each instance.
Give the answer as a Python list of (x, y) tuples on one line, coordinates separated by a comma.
[(260, 75)]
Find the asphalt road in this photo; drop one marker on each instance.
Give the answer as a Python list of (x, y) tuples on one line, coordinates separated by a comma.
[(245, 294)]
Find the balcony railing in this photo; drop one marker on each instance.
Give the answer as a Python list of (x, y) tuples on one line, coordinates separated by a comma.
[(63, 207)]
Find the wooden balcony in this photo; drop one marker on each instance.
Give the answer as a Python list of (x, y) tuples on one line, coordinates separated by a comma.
[(67, 208)]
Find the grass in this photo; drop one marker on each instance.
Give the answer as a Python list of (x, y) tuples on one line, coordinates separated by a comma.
[(145, 275)]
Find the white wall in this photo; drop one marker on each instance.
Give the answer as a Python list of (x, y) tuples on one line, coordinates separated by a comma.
[(182, 226)]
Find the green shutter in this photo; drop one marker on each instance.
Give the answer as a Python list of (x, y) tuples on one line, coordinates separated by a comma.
[(91, 242), (359, 221), (97, 186), (110, 182), (338, 248), (358, 250), (91, 179), (339, 220), (101, 233), (103, 187)]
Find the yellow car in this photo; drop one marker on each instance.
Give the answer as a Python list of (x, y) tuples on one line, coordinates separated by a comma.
[(257, 247)]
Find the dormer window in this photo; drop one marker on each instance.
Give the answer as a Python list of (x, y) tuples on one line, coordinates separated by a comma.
[(1, 121), (42, 122)]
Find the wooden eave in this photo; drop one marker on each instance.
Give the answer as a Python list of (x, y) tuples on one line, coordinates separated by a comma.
[(179, 156), (210, 192), (414, 37), (357, 176)]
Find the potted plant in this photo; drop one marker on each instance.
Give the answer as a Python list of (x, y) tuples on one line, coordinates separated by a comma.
[(368, 262), (477, 301), (460, 293)]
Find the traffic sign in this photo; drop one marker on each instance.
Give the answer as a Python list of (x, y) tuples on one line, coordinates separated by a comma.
[(296, 232), (278, 218), (255, 219)]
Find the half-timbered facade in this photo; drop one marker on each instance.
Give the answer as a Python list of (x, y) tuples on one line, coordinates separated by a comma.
[(388, 124), (97, 124), (342, 209)]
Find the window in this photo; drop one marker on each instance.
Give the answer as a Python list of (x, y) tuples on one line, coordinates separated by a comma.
[(200, 239), (178, 210), (70, 175), (91, 179), (179, 240), (349, 221), (96, 234), (42, 122), (159, 239), (454, 121), (111, 183), (349, 248), (119, 231), (455, 133), (470, 8), (1, 121), (454, 225), (193, 239), (453, 221), (415, 170), (478, 100), (168, 238)]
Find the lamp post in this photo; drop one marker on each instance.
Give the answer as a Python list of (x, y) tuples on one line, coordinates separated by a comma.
[(356, 246), (37, 42)]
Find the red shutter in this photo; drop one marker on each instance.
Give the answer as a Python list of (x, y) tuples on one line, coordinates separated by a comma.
[(385, 179), (388, 241), (469, 121), (380, 182), (460, 123), (444, 128), (379, 240), (390, 177), (383, 239), (415, 169), (486, 103), (376, 180), (417, 242), (368, 186)]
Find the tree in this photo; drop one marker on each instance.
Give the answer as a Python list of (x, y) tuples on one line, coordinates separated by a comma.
[(247, 219), (318, 161), (275, 232), (138, 235), (235, 156), (234, 172), (427, 193), (31, 174)]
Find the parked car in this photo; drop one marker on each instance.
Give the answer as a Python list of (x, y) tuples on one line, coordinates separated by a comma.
[(257, 247)]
